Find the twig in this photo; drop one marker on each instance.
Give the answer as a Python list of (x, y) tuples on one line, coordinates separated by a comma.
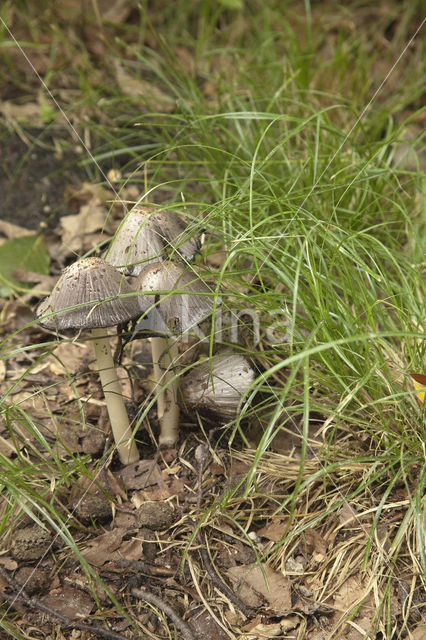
[(222, 586), (185, 629), (201, 456), (23, 598), (36, 604)]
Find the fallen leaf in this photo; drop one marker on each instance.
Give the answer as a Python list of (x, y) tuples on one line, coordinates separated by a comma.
[(77, 230), (351, 591), (13, 231), (274, 530), (419, 632), (154, 98), (265, 582), (8, 563), (315, 542), (68, 358), (131, 550), (142, 474), (69, 602), (419, 381), (29, 112), (103, 547)]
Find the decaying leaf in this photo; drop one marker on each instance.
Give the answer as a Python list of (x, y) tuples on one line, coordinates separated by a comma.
[(263, 583), (81, 232), (142, 474), (103, 547), (419, 381), (274, 529), (152, 95), (72, 603), (13, 230)]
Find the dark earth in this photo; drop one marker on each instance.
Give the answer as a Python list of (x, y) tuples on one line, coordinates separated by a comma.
[(34, 176)]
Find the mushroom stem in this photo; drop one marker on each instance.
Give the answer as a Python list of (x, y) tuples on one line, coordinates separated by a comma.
[(120, 426), (158, 348), (163, 356)]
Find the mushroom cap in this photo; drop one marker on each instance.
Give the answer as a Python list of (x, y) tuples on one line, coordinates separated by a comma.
[(217, 386), (88, 295), (189, 302), (144, 235)]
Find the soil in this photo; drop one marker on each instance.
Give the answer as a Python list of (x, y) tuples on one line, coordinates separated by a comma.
[(34, 177)]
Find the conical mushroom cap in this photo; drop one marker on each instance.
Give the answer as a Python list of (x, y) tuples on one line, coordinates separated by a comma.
[(189, 300), (144, 235), (217, 386), (94, 288)]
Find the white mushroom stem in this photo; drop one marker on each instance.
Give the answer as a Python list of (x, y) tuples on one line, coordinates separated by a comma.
[(122, 432), (166, 388)]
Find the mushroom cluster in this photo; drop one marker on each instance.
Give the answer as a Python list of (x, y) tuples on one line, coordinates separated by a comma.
[(91, 294), (145, 277)]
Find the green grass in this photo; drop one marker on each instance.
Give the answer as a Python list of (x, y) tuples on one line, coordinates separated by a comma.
[(270, 139)]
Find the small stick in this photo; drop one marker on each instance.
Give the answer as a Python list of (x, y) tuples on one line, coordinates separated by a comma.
[(36, 604), (201, 456), (222, 586), (184, 628)]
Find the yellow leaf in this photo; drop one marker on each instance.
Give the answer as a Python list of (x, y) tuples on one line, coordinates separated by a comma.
[(419, 381)]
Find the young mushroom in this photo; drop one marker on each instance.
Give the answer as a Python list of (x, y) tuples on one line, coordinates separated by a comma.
[(145, 235), (217, 386), (91, 294), (184, 302)]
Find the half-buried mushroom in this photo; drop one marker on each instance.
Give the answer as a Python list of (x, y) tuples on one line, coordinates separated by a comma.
[(91, 294), (149, 235), (217, 386), (182, 300)]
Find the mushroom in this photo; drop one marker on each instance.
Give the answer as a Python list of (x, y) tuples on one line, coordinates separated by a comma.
[(91, 294), (217, 386), (144, 235), (186, 301)]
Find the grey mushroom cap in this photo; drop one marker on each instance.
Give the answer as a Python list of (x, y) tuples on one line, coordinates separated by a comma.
[(145, 236), (217, 386), (88, 295), (187, 301)]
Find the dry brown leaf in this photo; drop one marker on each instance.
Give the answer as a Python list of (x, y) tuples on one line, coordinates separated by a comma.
[(103, 548), (8, 563), (2, 370), (347, 514), (13, 231), (69, 602), (419, 632), (315, 543), (142, 474), (351, 591), (77, 230), (274, 530), (153, 96), (27, 112), (8, 447), (263, 631), (131, 550), (265, 582), (68, 358)]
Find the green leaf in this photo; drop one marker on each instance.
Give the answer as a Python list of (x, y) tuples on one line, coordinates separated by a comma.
[(29, 253)]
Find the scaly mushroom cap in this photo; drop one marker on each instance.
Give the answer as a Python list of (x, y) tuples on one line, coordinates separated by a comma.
[(217, 386), (143, 237), (189, 302), (94, 288)]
